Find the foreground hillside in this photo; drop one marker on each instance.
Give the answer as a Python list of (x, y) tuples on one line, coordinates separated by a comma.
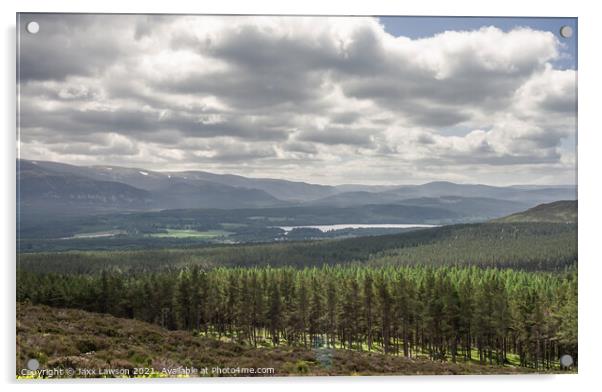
[(73, 339)]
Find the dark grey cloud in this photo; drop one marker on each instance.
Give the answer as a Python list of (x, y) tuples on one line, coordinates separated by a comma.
[(301, 147), (345, 117), (69, 44), (339, 135), (99, 149), (149, 125), (561, 104), (236, 154), (264, 90), (425, 139)]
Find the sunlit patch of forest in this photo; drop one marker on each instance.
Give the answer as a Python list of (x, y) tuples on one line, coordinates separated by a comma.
[(62, 338), (446, 313)]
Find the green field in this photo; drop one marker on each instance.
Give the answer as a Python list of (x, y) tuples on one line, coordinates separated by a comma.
[(179, 233)]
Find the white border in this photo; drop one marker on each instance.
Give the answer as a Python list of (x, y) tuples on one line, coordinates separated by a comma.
[(590, 196)]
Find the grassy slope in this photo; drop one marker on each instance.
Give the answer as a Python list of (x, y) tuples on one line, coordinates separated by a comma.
[(564, 211), (64, 338)]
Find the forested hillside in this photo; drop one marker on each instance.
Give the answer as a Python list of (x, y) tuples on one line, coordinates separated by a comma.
[(532, 246)]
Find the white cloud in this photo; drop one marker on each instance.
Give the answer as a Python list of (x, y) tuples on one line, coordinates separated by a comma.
[(254, 95)]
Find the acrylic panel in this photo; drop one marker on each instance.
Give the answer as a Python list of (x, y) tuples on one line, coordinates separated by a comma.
[(214, 195)]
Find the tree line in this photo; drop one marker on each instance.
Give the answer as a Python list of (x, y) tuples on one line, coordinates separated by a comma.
[(446, 313)]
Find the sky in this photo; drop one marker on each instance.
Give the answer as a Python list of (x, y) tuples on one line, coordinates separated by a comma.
[(329, 100)]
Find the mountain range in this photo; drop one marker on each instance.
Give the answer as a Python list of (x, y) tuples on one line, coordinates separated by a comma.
[(52, 187)]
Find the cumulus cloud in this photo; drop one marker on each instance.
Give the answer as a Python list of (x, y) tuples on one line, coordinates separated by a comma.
[(332, 100)]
